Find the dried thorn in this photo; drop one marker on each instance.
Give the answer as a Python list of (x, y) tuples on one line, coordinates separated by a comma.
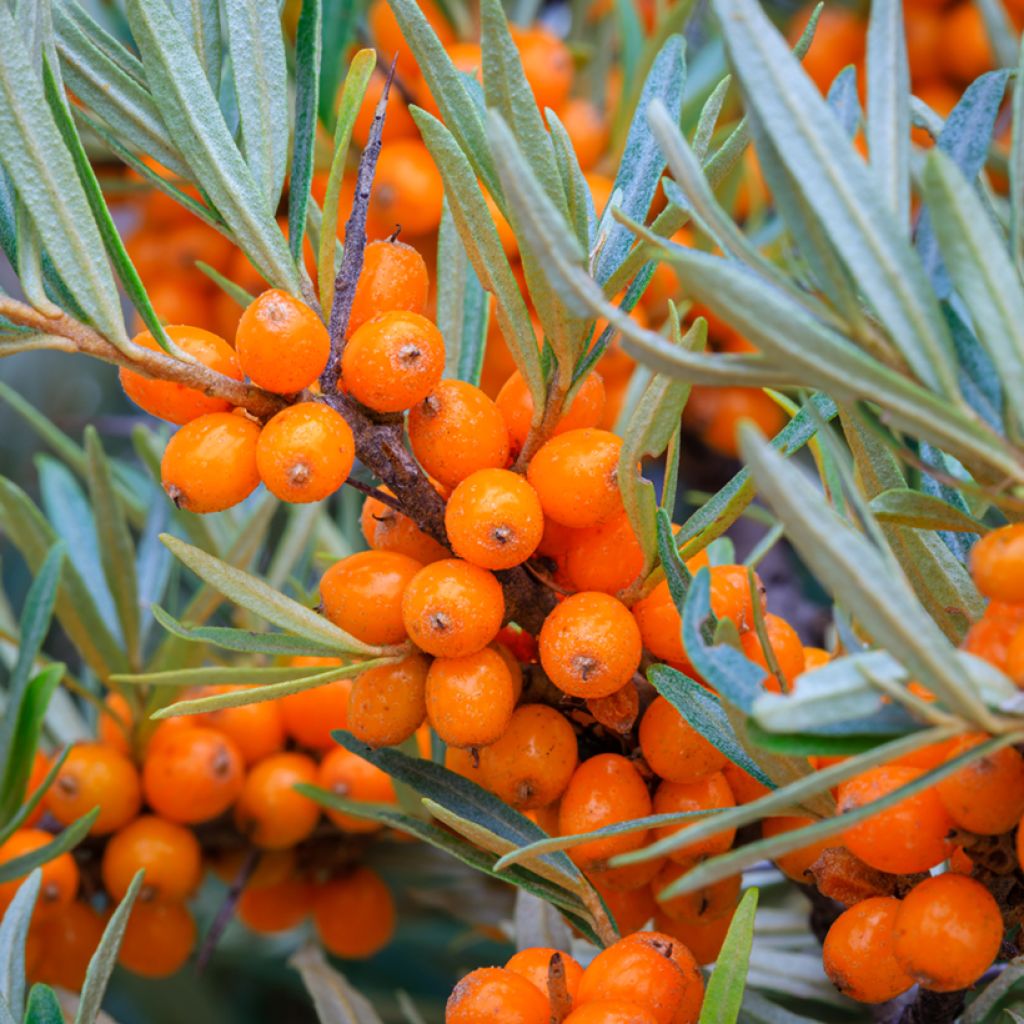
[(227, 909)]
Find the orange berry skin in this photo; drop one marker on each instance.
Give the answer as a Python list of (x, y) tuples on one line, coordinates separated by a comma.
[(452, 608), (730, 594), (393, 361), (704, 940), (310, 716), (394, 277), (797, 863), (590, 645), (706, 904), (815, 657), (710, 792), (987, 796), (745, 788), (95, 776), (576, 477), (269, 811), (661, 625), (174, 402), (588, 130), (631, 908), (407, 189), (533, 964), (362, 594), (256, 729), (947, 933), (158, 939), (195, 775), (494, 519), (354, 915), (40, 767), (515, 402), (907, 837), (457, 430), (673, 748), (305, 452), (68, 941), (210, 463), (278, 907), (388, 704), (607, 557), (693, 981), (496, 995), (282, 344), (611, 1011), (547, 64), (398, 122), (1013, 663), (115, 729), (168, 853), (604, 790), (353, 777), (389, 39), (997, 564), (386, 529), (59, 884), (785, 645), (858, 953), (966, 51), (530, 765), (463, 762), (470, 699)]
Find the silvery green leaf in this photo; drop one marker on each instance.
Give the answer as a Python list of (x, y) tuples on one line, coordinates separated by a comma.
[(844, 100), (13, 933), (1017, 164), (708, 121), (538, 923), (579, 200), (907, 507), (723, 1000), (308, 47), (999, 28), (201, 21), (334, 999), (979, 379)]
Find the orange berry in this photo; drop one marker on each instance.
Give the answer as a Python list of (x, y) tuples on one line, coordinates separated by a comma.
[(282, 344), (272, 866), (115, 723), (997, 564), (310, 716), (631, 908), (966, 51), (195, 775), (534, 964), (40, 768), (496, 995), (470, 699), (815, 657), (604, 790), (277, 907), (394, 277), (607, 557), (986, 796), (576, 477), (407, 189), (393, 361), (386, 529), (390, 40), (270, 812), (354, 915), (947, 932), (452, 608), (588, 130), (704, 940), (398, 122), (158, 939), (354, 778), (516, 405), (797, 863), (547, 64), (256, 729), (700, 906), (590, 645), (716, 413), (68, 940), (745, 788), (59, 884), (992, 636), (693, 981), (673, 748), (530, 765), (305, 452), (730, 594), (176, 403), (909, 836), (839, 40), (388, 704), (859, 955), (464, 762), (210, 463), (706, 794), (785, 645), (611, 1011), (494, 519), (627, 878), (168, 853), (95, 776)]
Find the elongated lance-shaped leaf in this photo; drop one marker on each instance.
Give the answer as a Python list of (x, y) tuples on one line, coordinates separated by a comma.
[(580, 201), (193, 118), (844, 100), (66, 840), (334, 998), (1017, 165), (463, 307), (307, 83), (860, 577), (341, 19), (34, 799), (888, 127), (709, 114), (906, 507), (723, 999), (216, 675), (200, 20), (13, 935), (839, 188)]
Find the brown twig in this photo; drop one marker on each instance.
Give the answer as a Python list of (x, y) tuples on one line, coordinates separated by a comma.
[(226, 911)]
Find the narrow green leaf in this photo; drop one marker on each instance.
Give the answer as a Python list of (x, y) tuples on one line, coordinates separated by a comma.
[(236, 291), (35, 798), (708, 122), (906, 507), (216, 675), (334, 999), (307, 84), (13, 934), (43, 1006), (844, 100), (723, 999), (17, 867), (200, 20), (341, 19), (579, 200), (1017, 164)]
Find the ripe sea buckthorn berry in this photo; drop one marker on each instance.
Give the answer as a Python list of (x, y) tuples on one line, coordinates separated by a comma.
[(547, 64), (168, 853), (256, 729), (272, 866), (702, 905), (407, 189), (457, 430), (745, 788), (815, 657), (628, 877), (394, 277), (277, 907), (168, 400), (909, 836), (987, 795), (859, 955), (388, 704), (354, 914), (947, 933), (270, 812), (494, 519), (588, 130), (95, 776), (158, 939), (305, 452), (516, 405), (464, 762), (310, 716), (496, 995), (993, 634), (387, 529), (534, 965), (669, 946), (530, 765), (69, 940), (673, 748), (607, 557), (282, 344), (704, 940), (631, 908), (576, 477), (1013, 663), (393, 361), (452, 608), (785, 645), (115, 723), (590, 645), (997, 564), (470, 699), (398, 122), (611, 1011), (966, 51), (706, 794), (59, 884), (210, 463), (512, 662), (797, 863), (604, 790), (730, 594), (389, 39), (353, 777), (362, 594), (194, 775), (36, 777)]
